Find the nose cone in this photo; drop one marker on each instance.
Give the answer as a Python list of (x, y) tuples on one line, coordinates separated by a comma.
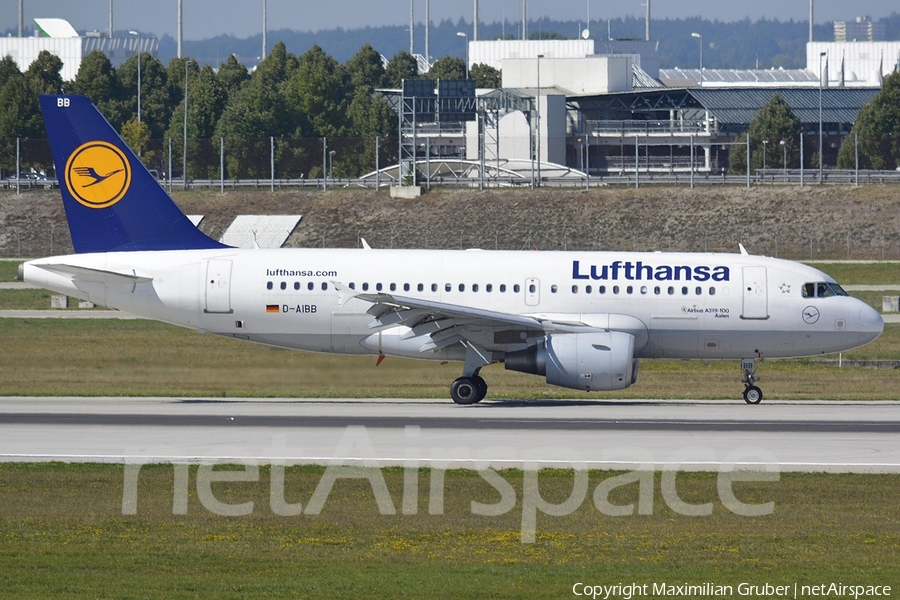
[(870, 324)]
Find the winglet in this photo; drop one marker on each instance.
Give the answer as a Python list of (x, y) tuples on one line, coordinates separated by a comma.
[(743, 250), (365, 244), (112, 202)]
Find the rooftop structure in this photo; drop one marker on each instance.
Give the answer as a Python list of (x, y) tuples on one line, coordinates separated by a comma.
[(58, 37), (853, 63)]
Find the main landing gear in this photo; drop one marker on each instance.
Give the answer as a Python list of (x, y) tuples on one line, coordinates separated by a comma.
[(752, 394), (468, 390)]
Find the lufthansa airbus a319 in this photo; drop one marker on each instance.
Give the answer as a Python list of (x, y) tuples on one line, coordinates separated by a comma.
[(582, 320)]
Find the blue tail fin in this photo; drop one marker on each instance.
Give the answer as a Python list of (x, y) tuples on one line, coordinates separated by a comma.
[(112, 202)]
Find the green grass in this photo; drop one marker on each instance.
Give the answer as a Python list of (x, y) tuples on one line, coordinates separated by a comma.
[(9, 269), (63, 534), (145, 358), (30, 299)]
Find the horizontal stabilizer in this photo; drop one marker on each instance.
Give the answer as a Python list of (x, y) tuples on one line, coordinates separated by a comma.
[(95, 275)]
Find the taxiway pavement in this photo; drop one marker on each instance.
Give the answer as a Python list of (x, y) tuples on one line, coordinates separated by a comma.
[(608, 434)]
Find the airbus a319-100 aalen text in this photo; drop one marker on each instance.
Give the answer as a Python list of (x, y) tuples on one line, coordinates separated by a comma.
[(582, 320)]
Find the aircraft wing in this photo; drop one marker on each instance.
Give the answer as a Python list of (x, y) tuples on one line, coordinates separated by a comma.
[(450, 323)]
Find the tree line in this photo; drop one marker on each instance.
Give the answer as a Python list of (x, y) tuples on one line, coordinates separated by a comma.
[(874, 138), (287, 97)]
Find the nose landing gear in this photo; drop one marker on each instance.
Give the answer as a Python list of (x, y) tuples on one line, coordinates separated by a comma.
[(752, 394)]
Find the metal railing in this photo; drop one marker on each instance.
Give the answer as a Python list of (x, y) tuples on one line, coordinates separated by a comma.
[(636, 127)]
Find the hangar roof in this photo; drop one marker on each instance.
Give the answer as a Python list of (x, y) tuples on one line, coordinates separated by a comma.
[(733, 106), (738, 106)]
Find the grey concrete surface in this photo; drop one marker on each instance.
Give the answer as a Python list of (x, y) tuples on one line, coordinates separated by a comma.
[(686, 435)]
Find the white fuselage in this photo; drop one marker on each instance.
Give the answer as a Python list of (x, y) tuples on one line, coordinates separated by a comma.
[(677, 305)]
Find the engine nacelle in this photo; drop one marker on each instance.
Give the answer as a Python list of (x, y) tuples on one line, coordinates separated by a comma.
[(581, 361)]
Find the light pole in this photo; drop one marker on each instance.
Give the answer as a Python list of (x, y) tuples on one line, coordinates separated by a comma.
[(783, 156), (331, 165), (184, 155), (465, 35), (765, 143), (821, 55), (538, 119), (137, 33), (700, 37)]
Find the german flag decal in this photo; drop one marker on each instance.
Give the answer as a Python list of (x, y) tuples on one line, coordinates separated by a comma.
[(272, 308)]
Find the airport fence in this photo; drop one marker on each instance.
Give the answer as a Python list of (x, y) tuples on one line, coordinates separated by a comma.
[(329, 162)]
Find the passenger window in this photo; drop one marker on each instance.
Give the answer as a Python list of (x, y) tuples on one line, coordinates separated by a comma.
[(474, 287), (365, 287), (296, 285), (532, 288), (657, 290), (406, 287), (629, 289), (553, 289), (420, 287), (269, 285), (602, 289), (643, 289), (462, 287), (684, 291), (588, 289), (352, 286), (324, 286), (378, 287), (489, 287), (393, 287), (502, 288), (516, 288), (283, 285), (671, 291), (615, 289), (448, 287), (712, 291), (433, 287), (698, 291), (310, 286), (574, 289)]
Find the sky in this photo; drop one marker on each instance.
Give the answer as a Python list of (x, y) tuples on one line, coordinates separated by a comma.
[(205, 19)]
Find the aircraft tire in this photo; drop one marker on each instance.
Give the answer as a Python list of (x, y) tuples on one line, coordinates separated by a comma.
[(482, 387), (753, 395), (466, 390)]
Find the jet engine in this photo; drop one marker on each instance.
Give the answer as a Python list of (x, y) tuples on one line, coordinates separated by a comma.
[(581, 361)]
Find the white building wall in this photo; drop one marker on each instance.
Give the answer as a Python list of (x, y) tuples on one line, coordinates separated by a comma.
[(578, 76), (865, 63), (25, 51), (515, 136), (493, 52)]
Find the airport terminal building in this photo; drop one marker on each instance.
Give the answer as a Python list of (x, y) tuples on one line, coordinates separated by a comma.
[(615, 111)]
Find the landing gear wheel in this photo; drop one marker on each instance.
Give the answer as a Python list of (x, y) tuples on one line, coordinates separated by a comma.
[(753, 395), (468, 390), (481, 384)]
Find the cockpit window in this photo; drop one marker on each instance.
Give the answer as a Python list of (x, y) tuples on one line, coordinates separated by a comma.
[(822, 289)]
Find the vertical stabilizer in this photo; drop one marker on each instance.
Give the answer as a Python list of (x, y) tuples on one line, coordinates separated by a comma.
[(112, 202)]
